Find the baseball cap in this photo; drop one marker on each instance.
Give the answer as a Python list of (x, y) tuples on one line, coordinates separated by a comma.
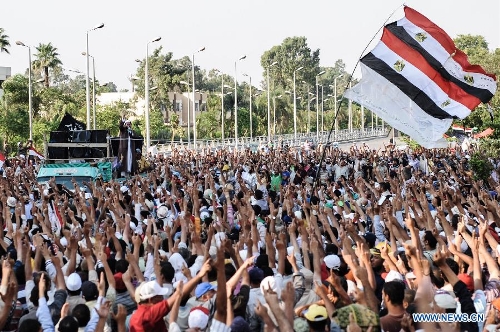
[(89, 291), (377, 250), (332, 262), (151, 289), (73, 282), (198, 318), (256, 275), (316, 313), (203, 288), (240, 324)]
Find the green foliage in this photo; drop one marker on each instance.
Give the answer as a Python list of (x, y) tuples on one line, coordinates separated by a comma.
[(411, 143), (208, 124), (107, 117), (481, 166), (165, 75), (46, 58), (490, 147), (291, 54), (4, 42)]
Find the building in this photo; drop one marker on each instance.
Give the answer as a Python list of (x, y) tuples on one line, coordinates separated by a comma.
[(4, 74), (180, 103)]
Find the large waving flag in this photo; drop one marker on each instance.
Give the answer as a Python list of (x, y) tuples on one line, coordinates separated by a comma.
[(417, 81)]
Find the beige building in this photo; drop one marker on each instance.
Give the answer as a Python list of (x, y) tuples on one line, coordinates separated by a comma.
[(4, 74), (180, 103)]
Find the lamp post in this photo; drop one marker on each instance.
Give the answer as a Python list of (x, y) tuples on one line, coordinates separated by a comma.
[(93, 88), (317, 105), (87, 83), (322, 111), (236, 102), (194, 99), (295, 104), (30, 92), (188, 113), (269, 103), (274, 113), (335, 98), (146, 93), (250, 79)]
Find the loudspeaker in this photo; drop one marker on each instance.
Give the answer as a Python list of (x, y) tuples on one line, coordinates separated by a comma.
[(80, 153), (99, 152), (58, 137), (80, 136), (99, 136), (58, 153)]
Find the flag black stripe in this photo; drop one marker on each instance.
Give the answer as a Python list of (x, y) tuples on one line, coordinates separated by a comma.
[(482, 94), (403, 84)]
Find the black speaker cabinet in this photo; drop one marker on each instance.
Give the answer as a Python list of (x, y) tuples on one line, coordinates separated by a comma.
[(99, 136), (58, 153), (80, 136), (58, 137)]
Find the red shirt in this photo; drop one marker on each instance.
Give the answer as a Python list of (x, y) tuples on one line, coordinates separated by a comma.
[(149, 318)]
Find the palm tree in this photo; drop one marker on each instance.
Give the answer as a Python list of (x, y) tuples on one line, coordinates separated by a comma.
[(4, 41), (47, 57)]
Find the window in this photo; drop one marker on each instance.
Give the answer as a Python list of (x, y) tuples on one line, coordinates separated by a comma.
[(178, 106), (197, 107)]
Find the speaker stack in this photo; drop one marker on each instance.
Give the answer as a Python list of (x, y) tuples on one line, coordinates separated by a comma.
[(58, 137), (99, 136), (80, 136)]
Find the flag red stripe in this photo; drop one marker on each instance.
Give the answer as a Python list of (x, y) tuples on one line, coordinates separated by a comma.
[(2, 157), (417, 60), (445, 40)]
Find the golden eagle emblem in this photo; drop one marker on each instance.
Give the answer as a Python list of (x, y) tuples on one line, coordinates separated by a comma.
[(445, 103), (469, 79), (420, 37), (399, 65)]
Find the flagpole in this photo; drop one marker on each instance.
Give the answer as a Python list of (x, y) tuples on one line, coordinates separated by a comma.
[(316, 180)]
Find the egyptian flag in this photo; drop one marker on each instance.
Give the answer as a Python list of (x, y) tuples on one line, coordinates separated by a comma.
[(417, 81), (2, 159), (35, 153)]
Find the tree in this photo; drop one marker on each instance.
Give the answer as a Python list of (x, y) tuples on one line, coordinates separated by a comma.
[(4, 42), (292, 54), (165, 75), (46, 58)]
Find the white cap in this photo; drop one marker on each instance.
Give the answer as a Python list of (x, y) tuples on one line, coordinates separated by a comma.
[(11, 201), (198, 318), (332, 262), (151, 289), (73, 282), (123, 189), (162, 212)]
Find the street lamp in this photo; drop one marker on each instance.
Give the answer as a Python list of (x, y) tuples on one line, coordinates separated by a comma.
[(317, 105), (236, 102), (87, 84), (146, 94), (30, 92), (295, 104), (93, 88), (188, 113), (269, 102), (274, 113), (194, 99), (223, 113), (335, 98), (322, 112), (250, 78)]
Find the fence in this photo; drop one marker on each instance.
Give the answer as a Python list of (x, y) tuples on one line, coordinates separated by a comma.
[(341, 136)]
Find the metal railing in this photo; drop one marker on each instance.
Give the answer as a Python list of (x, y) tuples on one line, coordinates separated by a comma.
[(341, 136)]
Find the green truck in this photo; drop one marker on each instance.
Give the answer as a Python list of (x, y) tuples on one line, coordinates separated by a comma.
[(66, 162)]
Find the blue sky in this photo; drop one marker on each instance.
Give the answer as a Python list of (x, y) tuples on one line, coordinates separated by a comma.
[(227, 28)]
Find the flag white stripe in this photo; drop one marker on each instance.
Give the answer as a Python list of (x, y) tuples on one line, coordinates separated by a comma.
[(421, 81), (439, 53), (384, 99)]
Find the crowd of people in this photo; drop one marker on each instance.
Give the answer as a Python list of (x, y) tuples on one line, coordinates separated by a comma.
[(281, 239)]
